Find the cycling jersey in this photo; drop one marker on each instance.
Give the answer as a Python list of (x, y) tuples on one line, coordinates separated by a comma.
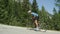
[(34, 14)]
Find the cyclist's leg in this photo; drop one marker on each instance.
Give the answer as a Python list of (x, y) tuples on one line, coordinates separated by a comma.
[(33, 22), (36, 23)]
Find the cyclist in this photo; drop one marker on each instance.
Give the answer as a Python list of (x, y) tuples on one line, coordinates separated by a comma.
[(35, 18)]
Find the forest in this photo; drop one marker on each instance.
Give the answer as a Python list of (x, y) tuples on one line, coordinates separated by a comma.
[(14, 12)]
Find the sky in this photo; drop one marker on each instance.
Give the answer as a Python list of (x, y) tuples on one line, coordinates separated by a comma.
[(48, 4)]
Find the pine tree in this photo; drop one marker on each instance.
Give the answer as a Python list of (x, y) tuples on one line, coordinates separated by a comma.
[(24, 9), (57, 16), (58, 5), (44, 13), (54, 11), (45, 20), (3, 11), (35, 6)]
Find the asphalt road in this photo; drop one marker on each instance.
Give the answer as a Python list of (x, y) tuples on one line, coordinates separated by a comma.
[(5, 29)]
